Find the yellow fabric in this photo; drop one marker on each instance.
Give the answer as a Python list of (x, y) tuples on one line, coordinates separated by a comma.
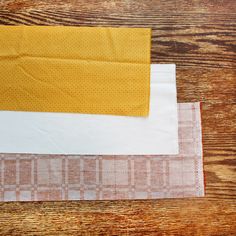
[(75, 69)]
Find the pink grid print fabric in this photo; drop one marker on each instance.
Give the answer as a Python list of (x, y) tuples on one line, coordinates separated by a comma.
[(25, 177)]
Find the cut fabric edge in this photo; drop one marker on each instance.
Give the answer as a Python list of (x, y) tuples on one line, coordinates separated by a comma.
[(203, 171)]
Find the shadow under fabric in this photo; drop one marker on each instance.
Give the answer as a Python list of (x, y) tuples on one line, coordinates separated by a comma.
[(91, 70)]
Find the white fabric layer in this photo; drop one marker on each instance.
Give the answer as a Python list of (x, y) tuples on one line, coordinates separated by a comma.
[(65, 133)]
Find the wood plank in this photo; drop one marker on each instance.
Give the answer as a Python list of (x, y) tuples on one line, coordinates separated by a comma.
[(198, 36), (162, 217)]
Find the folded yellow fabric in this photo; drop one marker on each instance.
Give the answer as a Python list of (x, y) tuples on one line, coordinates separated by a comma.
[(75, 69)]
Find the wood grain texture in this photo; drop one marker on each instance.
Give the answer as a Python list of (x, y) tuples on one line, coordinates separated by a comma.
[(200, 37)]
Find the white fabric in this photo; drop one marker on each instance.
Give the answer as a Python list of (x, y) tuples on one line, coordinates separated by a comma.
[(65, 133)]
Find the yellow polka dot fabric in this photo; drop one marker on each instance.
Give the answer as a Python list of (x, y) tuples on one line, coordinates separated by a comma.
[(94, 70)]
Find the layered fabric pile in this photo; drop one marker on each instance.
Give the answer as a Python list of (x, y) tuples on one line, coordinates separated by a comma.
[(84, 115)]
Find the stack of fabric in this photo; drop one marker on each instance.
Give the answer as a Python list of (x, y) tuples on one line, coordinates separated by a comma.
[(86, 116)]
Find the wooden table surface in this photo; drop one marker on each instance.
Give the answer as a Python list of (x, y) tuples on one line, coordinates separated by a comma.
[(200, 37)]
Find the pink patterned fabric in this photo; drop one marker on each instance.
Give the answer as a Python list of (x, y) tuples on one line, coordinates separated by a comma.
[(49, 177)]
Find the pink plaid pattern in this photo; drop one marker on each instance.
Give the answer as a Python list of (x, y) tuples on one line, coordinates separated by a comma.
[(59, 177)]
